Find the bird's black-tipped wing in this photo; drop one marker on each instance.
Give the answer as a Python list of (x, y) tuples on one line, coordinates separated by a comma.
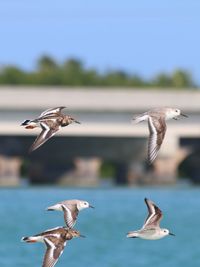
[(155, 215), (70, 216), (51, 112), (45, 134), (55, 247), (157, 129)]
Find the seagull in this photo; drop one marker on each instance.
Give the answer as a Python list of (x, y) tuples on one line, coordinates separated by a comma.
[(55, 240), (71, 209), (157, 127), (50, 121), (151, 229)]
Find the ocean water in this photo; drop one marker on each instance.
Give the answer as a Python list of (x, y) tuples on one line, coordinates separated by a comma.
[(117, 211)]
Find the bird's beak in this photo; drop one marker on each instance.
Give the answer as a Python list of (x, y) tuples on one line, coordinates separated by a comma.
[(90, 206), (83, 236), (184, 115), (77, 122), (172, 234)]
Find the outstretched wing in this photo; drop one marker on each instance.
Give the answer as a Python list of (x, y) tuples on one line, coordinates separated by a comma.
[(51, 112), (155, 215), (69, 216), (45, 134), (157, 129), (55, 247)]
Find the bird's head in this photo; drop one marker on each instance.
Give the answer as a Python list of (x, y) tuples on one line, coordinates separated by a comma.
[(166, 232), (75, 233), (173, 113), (83, 205)]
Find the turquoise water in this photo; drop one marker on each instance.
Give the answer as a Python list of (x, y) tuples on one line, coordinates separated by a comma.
[(117, 210)]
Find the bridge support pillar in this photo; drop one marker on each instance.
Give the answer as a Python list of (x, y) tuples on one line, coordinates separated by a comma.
[(10, 170), (85, 173), (165, 167), (129, 173)]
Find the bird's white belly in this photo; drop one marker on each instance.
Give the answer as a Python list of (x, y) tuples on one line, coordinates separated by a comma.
[(151, 235)]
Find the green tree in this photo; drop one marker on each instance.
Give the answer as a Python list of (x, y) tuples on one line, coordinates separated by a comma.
[(182, 79), (162, 80), (72, 72), (136, 80), (46, 63), (116, 78), (12, 75), (48, 72), (91, 78)]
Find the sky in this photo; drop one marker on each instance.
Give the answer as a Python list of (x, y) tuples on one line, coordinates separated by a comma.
[(142, 37)]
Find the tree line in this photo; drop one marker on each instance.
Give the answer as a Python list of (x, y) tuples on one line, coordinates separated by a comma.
[(72, 72)]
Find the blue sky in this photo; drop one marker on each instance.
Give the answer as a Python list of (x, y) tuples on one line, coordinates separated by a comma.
[(143, 37)]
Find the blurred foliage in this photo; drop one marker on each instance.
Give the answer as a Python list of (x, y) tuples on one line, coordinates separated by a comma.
[(72, 72), (108, 170), (24, 168)]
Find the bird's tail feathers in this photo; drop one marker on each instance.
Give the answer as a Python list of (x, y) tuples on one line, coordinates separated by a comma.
[(29, 124), (55, 207), (140, 118), (26, 122), (29, 239), (133, 234)]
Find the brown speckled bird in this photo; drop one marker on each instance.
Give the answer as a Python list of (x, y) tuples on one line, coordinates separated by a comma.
[(55, 240), (50, 121)]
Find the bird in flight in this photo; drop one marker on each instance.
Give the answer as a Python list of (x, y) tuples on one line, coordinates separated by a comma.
[(55, 240), (50, 121), (71, 209), (151, 229), (156, 119)]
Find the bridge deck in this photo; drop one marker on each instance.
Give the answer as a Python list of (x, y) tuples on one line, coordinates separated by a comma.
[(115, 99)]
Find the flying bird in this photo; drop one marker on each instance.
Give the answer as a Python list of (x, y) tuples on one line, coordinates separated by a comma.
[(71, 210), (157, 127), (50, 121), (151, 229), (55, 240)]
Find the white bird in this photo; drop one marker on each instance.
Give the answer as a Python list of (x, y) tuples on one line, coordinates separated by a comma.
[(157, 127), (71, 209), (151, 229), (55, 240)]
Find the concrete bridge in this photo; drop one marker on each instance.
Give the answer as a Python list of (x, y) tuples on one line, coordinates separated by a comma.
[(106, 133)]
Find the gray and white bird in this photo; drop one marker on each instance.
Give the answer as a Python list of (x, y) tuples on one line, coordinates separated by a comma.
[(71, 210), (55, 240), (157, 127), (50, 121), (151, 229)]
